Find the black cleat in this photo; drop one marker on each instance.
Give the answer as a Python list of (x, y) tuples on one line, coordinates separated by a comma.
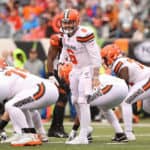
[(90, 139), (120, 137), (3, 135), (59, 133)]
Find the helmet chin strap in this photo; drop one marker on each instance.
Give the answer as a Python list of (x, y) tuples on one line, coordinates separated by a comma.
[(72, 33)]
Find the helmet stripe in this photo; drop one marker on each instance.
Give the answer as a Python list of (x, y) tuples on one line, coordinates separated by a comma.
[(66, 15)]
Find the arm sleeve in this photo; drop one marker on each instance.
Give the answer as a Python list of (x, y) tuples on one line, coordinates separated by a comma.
[(94, 53)]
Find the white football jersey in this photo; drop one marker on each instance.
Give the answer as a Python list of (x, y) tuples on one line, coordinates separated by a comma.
[(15, 80), (81, 48), (136, 70)]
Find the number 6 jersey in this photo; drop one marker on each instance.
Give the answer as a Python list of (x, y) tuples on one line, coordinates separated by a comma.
[(81, 49)]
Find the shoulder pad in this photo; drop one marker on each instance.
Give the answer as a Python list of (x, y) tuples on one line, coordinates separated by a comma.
[(85, 35), (117, 65), (55, 40)]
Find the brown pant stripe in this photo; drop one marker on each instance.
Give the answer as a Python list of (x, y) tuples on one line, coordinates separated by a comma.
[(106, 89)]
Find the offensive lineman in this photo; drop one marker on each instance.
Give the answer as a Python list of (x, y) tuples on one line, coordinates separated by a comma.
[(134, 73), (25, 92)]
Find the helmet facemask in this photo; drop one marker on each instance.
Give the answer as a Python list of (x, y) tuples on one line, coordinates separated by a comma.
[(69, 26)]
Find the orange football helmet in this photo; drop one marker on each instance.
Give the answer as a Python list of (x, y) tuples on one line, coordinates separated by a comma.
[(64, 71), (3, 63), (110, 53), (70, 21)]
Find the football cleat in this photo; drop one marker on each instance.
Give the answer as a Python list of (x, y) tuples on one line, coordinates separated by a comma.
[(72, 135), (120, 137), (3, 135), (14, 137), (43, 137), (27, 139), (89, 136), (130, 136), (59, 133), (78, 140)]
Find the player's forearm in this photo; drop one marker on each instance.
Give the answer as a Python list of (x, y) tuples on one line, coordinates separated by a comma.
[(50, 66), (96, 72), (52, 54)]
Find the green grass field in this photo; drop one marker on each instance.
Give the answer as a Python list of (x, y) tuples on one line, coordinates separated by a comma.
[(102, 139)]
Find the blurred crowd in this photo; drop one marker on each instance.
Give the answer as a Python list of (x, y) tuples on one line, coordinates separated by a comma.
[(36, 19)]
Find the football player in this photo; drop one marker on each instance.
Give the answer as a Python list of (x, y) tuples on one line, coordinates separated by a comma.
[(57, 129), (134, 73), (106, 97), (34, 121), (80, 46), (25, 92)]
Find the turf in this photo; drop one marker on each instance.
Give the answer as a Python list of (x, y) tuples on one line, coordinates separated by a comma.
[(102, 139)]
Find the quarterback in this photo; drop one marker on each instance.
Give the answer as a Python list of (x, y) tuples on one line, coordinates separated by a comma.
[(80, 47)]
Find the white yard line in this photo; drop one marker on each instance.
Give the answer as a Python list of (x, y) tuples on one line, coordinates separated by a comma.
[(94, 124), (104, 124)]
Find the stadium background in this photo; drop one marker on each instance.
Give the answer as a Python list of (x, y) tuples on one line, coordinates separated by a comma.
[(28, 24)]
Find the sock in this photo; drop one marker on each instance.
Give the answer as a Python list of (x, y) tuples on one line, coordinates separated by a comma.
[(127, 116), (94, 112), (18, 118), (38, 122), (59, 111), (28, 130), (85, 119), (58, 116), (75, 127), (3, 123), (112, 119)]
